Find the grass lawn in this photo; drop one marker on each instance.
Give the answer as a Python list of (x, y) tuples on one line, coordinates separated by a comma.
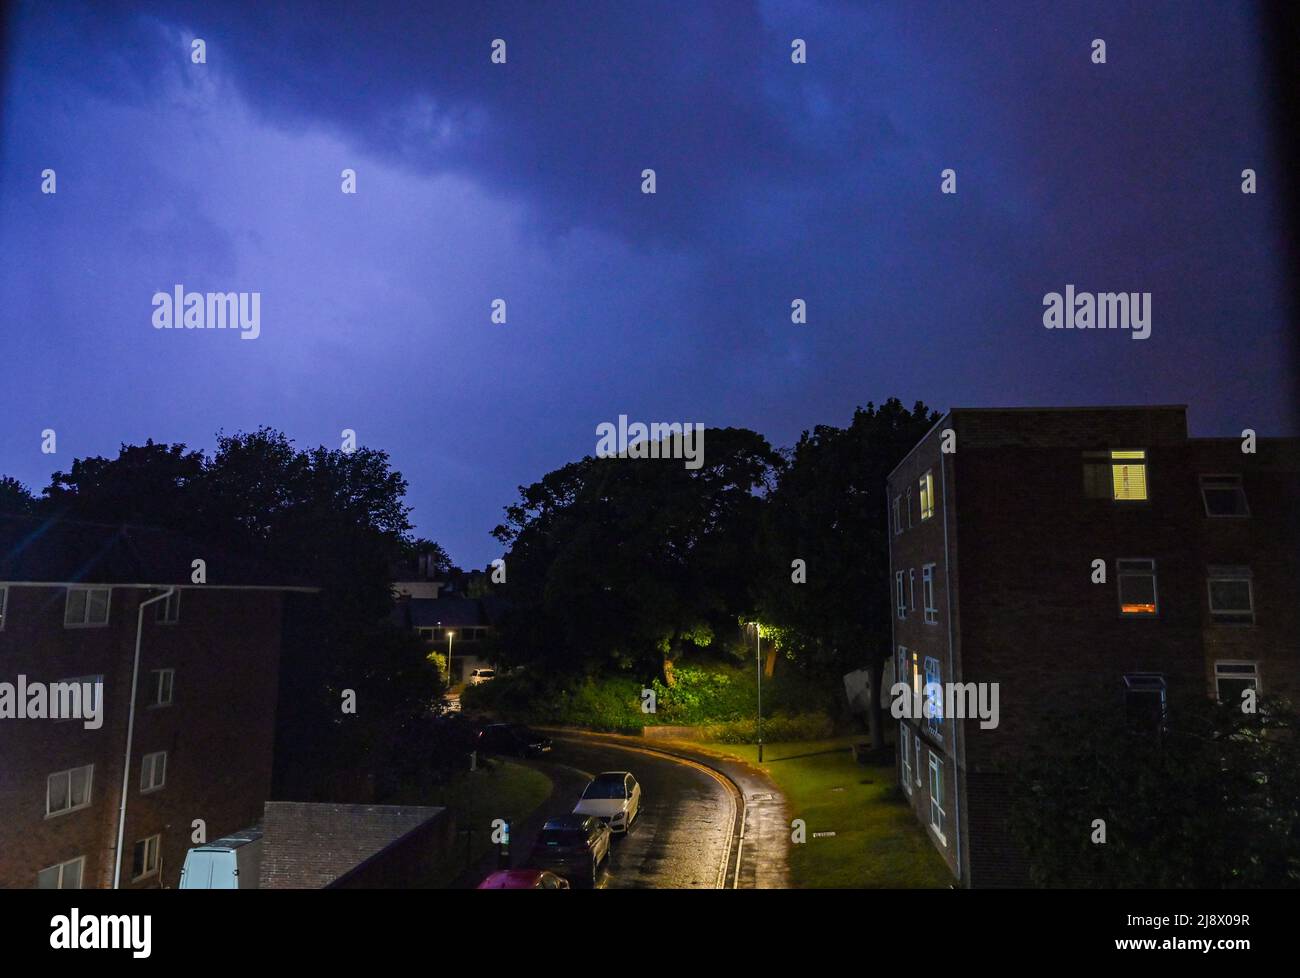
[(503, 790), (877, 842)]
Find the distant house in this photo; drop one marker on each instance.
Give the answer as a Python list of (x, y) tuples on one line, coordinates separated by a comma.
[(451, 623), (117, 605)]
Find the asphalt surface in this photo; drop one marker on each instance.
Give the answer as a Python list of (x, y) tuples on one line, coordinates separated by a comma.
[(684, 836)]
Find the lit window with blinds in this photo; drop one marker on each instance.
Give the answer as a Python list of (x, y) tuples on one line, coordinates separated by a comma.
[(1118, 475), (927, 496)]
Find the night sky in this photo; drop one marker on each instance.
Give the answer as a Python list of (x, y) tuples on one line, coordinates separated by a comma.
[(522, 181)]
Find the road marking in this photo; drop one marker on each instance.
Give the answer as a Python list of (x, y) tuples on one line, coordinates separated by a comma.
[(733, 793)]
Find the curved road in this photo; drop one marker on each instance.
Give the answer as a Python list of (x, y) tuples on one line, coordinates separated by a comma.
[(680, 840)]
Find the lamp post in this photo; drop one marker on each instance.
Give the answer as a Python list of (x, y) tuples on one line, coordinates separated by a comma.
[(758, 661), (450, 636)]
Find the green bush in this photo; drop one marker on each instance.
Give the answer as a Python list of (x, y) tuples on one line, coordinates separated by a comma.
[(807, 726)]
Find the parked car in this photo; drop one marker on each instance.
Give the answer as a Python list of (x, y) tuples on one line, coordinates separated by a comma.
[(524, 879), (573, 846), (514, 739), (614, 797), (230, 863), (477, 676)]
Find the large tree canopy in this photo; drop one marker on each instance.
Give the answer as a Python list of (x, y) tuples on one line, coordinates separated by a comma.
[(627, 562)]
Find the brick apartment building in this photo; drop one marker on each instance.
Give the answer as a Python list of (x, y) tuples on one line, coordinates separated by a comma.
[(992, 550), (201, 739)]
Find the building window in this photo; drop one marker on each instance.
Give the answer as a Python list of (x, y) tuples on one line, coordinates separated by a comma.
[(927, 594), (86, 607), (916, 677), (916, 753), (64, 876), (153, 771), (1145, 705), (1232, 600), (161, 683), (1231, 679), (67, 791), (900, 670), (1120, 476), (911, 588), (904, 750), (936, 796), (934, 696), (144, 860), (898, 595), (898, 515), (168, 612), (4, 602), (1137, 588), (909, 507), (1224, 495), (927, 496)]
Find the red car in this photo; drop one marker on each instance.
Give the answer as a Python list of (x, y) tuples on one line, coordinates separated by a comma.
[(524, 879)]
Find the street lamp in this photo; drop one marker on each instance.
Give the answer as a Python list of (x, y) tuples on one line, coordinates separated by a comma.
[(758, 661), (450, 635)]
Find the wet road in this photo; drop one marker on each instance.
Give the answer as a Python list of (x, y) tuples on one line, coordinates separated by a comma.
[(680, 840)]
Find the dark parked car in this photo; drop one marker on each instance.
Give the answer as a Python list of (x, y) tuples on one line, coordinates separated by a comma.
[(574, 846), (524, 879), (512, 738)]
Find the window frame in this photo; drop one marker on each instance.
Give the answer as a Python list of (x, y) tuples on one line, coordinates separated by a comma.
[(83, 680), (1254, 676), (931, 610), (1145, 677), (1121, 573), (153, 842), (926, 490), (900, 604), (933, 723), (1238, 483), (898, 515), (167, 613), (936, 797), (1105, 458), (1238, 617), (169, 674), (62, 867), (149, 764), (68, 772), (85, 616), (905, 757)]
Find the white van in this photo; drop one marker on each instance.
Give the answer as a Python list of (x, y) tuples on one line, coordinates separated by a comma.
[(230, 863)]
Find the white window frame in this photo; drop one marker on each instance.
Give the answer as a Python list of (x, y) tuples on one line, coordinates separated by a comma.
[(916, 752), (1231, 616), (900, 604), (169, 612), (926, 483), (927, 594), (911, 588), (1130, 463), (1232, 480), (1132, 571), (904, 747), (898, 515), (1253, 675), (153, 772), (152, 844), (67, 773), (936, 797), (934, 723), (159, 675), (909, 507), (85, 612), (79, 862)]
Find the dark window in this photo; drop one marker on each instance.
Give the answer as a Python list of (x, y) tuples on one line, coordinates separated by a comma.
[(1145, 705), (1224, 495)]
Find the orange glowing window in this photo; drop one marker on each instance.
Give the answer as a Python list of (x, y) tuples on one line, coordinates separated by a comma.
[(1137, 587)]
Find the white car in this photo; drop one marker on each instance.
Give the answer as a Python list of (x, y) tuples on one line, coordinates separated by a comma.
[(614, 797), (477, 676)]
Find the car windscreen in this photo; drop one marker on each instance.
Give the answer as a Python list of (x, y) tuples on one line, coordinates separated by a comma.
[(605, 789)]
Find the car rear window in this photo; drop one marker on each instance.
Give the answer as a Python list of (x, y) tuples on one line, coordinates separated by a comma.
[(563, 837)]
